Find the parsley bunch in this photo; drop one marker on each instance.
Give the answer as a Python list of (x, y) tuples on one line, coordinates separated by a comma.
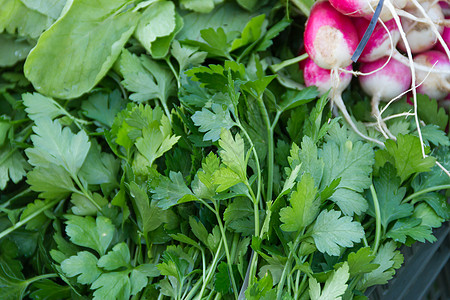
[(162, 150)]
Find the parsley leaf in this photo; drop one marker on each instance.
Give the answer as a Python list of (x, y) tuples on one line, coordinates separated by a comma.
[(331, 231), (103, 107), (118, 257), (84, 264), (87, 232), (114, 285), (13, 166), (233, 153), (410, 227), (335, 285), (304, 206), (361, 262), (171, 190), (213, 121), (39, 106)]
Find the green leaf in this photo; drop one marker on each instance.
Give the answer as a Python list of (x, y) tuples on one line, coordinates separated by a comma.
[(84, 264), (139, 277), (224, 178), (49, 290), (432, 134), (199, 230), (304, 206), (334, 288), (292, 99), (171, 191), (390, 196), (332, 231), (157, 20), (15, 17), (150, 217), (187, 55), (352, 162), (212, 122), (51, 8), (83, 206), (388, 260), (261, 289), (38, 221), (114, 285), (407, 156), (222, 279), (39, 106), (273, 32), (410, 227), (239, 216), (13, 165), (118, 257), (87, 232), (361, 262), (57, 146), (436, 175), (52, 182), (427, 216), (103, 107), (156, 140), (257, 87), (146, 78), (71, 57), (431, 113), (200, 6), (12, 49), (251, 32), (233, 153), (217, 42)]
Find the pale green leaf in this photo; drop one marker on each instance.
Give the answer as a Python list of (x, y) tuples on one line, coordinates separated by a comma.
[(71, 57), (114, 285), (12, 50), (331, 231), (428, 216), (51, 8), (304, 206), (52, 182), (103, 107), (233, 153), (361, 262), (251, 32), (212, 122), (225, 178), (13, 165), (200, 6), (39, 106), (187, 55), (410, 227), (89, 232), (118, 257), (84, 264), (334, 288), (171, 191)]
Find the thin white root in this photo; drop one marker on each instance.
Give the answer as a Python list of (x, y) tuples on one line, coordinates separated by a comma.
[(405, 114), (433, 27), (443, 168), (413, 71), (381, 124), (402, 13), (399, 57)]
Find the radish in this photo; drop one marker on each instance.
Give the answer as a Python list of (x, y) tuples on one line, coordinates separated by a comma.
[(385, 84), (325, 80), (365, 8), (422, 36), (436, 86), (330, 37), (446, 38)]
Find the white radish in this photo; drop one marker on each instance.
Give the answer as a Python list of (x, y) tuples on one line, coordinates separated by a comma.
[(436, 86), (386, 83)]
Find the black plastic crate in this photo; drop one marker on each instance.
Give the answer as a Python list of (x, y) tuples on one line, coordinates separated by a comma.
[(425, 274)]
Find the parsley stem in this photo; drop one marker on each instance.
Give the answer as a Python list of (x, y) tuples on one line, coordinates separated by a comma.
[(40, 277), (288, 265), (175, 73), (227, 251), (427, 190), (28, 218), (208, 277), (85, 193), (376, 206), (288, 62)]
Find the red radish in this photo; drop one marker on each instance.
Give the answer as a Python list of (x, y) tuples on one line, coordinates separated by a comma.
[(325, 80), (379, 44), (365, 8), (385, 84), (436, 86), (446, 37), (421, 36), (330, 37)]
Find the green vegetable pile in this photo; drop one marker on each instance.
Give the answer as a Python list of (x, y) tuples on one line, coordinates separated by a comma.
[(168, 150)]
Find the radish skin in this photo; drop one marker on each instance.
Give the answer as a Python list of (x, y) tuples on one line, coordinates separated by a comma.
[(365, 8), (330, 37), (436, 86), (386, 83), (331, 79)]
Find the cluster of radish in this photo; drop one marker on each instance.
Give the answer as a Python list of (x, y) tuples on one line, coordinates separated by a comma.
[(419, 29)]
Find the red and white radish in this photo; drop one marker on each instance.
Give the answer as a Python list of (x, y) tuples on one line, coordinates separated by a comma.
[(446, 38), (325, 80), (422, 36), (437, 86), (365, 8), (385, 84), (330, 37)]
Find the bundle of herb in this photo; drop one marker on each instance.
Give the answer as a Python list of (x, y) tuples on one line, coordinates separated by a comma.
[(159, 150)]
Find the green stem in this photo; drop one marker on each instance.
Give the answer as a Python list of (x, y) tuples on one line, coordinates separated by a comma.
[(85, 192), (22, 193), (377, 220), (227, 251), (270, 153), (175, 73), (427, 190), (208, 277), (288, 62), (28, 218), (287, 266), (40, 277)]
